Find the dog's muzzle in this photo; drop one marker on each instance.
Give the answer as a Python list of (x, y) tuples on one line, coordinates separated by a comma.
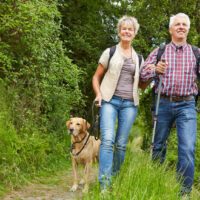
[(71, 131)]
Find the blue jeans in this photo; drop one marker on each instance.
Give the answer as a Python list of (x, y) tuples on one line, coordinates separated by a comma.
[(184, 115), (113, 146)]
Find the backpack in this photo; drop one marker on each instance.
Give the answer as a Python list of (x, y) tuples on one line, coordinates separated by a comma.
[(160, 53), (112, 51)]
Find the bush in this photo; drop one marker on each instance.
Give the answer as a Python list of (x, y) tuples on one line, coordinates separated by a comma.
[(39, 90), (41, 81)]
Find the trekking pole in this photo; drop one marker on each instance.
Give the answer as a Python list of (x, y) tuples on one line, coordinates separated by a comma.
[(156, 113)]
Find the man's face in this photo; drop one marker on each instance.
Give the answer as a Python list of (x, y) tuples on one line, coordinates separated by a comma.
[(179, 29)]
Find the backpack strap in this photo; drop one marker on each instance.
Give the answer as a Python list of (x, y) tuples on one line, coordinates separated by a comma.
[(160, 53), (195, 50), (140, 59), (111, 53)]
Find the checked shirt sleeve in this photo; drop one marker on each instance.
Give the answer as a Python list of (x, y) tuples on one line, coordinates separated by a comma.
[(146, 74)]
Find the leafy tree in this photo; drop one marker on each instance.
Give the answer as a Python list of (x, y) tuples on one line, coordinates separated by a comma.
[(41, 81), (89, 27)]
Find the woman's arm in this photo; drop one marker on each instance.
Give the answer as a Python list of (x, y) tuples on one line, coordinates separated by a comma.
[(96, 83), (144, 84)]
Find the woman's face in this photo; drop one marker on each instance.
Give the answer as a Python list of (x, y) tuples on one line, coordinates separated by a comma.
[(127, 32)]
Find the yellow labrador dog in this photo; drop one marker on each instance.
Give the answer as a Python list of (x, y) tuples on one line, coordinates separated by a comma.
[(84, 150)]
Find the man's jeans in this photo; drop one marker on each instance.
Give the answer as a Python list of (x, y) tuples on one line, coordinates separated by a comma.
[(110, 159), (184, 115)]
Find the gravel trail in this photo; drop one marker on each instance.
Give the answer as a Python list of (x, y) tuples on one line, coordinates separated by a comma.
[(52, 188)]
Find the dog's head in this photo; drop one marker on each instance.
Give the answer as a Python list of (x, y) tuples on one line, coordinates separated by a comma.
[(77, 125)]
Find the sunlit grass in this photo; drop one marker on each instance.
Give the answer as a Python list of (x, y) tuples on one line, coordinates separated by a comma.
[(140, 179)]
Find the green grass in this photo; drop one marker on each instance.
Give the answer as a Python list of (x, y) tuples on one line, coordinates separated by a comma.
[(140, 179), (24, 157), (16, 181)]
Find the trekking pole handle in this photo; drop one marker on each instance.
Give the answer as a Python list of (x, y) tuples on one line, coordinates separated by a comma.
[(162, 60)]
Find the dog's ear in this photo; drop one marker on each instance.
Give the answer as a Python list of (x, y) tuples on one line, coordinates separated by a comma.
[(68, 123), (84, 125)]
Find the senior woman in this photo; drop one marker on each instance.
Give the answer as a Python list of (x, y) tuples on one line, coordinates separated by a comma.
[(118, 98)]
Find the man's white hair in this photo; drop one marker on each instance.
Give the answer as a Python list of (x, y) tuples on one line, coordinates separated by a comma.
[(172, 18)]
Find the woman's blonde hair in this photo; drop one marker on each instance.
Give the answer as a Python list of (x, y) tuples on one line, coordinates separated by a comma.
[(130, 20)]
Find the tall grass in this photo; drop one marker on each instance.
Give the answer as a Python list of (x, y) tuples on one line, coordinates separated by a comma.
[(140, 179), (25, 155)]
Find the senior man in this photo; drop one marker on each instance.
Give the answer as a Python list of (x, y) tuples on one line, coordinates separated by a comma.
[(177, 103)]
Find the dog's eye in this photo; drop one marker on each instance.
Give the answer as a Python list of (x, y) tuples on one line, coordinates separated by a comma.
[(78, 124)]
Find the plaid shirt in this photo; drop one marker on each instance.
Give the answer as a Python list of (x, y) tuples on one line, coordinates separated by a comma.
[(180, 74)]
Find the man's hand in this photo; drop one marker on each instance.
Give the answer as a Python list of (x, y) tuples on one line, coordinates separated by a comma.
[(160, 67)]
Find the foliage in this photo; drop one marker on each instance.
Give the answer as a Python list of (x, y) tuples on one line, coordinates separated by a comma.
[(89, 27), (24, 155), (39, 90), (41, 81), (49, 51)]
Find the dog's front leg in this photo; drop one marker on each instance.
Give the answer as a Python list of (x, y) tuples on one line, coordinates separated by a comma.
[(88, 167), (75, 172)]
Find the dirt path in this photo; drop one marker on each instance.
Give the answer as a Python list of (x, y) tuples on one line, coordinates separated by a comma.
[(53, 188)]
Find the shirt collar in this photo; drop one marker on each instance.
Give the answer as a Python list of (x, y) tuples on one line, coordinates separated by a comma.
[(175, 46)]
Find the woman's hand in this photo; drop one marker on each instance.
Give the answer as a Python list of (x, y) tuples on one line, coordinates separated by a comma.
[(152, 66), (98, 99)]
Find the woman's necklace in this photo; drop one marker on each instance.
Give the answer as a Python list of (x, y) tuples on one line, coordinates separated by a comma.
[(127, 52)]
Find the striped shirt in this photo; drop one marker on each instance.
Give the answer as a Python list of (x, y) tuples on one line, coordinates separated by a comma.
[(180, 74)]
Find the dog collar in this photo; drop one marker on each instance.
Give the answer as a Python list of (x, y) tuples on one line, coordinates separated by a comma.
[(72, 147)]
